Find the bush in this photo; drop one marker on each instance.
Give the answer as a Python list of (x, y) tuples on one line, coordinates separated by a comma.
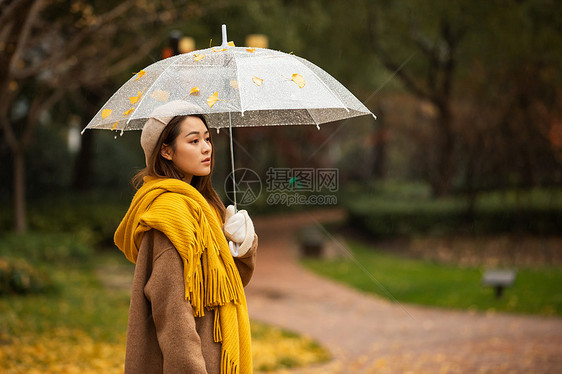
[(91, 218), (51, 248), (17, 276), (401, 212)]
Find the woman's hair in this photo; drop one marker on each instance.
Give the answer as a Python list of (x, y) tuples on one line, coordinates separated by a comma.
[(161, 167)]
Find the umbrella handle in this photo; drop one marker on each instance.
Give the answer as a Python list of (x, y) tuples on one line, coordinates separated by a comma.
[(232, 157)]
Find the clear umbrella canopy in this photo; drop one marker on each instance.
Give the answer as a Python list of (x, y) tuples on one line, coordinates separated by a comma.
[(234, 86)]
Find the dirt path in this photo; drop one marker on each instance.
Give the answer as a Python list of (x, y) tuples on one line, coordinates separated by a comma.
[(369, 335)]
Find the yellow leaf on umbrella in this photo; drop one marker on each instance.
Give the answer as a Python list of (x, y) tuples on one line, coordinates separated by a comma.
[(234, 84), (160, 95), (194, 91), (129, 111), (198, 56), (251, 50), (114, 125), (299, 80), (213, 99), (134, 99), (219, 50), (231, 44), (140, 74), (257, 81), (105, 113)]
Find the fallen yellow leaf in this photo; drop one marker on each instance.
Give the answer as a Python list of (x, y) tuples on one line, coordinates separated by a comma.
[(251, 50), (129, 111), (257, 81), (234, 84), (194, 91), (231, 44), (198, 56), (160, 95), (134, 99), (140, 74), (219, 50), (299, 80), (213, 99), (114, 125), (105, 113)]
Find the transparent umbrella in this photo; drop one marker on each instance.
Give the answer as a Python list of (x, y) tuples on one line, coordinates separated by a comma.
[(233, 87)]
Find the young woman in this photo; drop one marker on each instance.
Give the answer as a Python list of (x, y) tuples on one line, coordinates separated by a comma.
[(193, 257)]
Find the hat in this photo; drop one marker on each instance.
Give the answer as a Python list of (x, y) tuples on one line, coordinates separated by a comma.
[(159, 119)]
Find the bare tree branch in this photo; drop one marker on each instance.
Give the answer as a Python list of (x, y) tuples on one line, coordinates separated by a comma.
[(24, 35), (389, 63), (70, 47)]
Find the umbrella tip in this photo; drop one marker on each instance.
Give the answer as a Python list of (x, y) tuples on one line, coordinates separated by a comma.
[(224, 38)]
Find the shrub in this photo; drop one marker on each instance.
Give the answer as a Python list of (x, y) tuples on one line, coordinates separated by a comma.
[(45, 247), (384, 212), (17, 276)]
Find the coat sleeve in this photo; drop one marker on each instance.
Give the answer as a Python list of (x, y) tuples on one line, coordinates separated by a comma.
[(173, 315), (247, 263)]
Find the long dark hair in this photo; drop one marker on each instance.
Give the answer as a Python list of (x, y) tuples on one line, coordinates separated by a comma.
[(161, 167)]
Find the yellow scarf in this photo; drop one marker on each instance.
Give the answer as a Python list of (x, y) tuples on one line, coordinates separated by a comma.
[(211, 278)]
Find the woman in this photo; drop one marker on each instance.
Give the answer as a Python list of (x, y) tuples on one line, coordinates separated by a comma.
[(188, 310)]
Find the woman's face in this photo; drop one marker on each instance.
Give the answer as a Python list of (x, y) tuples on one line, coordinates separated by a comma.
[(192, 151)]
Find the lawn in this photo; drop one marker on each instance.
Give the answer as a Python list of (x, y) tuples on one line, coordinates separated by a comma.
[(81, 328), (536, 290)]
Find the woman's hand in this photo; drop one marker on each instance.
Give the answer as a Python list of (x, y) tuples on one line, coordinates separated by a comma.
[(239, 230)]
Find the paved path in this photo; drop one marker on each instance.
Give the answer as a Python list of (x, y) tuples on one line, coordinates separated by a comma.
[(367, 334)]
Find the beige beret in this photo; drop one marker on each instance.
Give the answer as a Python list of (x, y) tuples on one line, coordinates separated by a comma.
[(158, 120)]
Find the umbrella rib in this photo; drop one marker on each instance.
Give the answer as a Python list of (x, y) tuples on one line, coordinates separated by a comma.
[(322, 81), (164, 71), (242, 108)]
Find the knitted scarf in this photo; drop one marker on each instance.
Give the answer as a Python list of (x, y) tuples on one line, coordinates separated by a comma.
[(212, 280)]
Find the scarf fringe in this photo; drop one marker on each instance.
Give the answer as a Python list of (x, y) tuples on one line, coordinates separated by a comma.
[(217, 333), (228, 366)]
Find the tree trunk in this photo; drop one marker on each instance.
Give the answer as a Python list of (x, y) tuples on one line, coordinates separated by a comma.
[(442, 176), (19, 191)]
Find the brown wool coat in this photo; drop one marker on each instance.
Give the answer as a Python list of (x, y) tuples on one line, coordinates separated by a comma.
[(163, 336)]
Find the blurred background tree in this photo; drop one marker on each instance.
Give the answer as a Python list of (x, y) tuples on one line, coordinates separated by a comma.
[(468, 94), (67, 53)]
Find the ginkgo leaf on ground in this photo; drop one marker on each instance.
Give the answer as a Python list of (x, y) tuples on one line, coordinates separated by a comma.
[(194, 91), (257, 81)]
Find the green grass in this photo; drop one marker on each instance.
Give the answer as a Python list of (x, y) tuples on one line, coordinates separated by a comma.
[(82, 325), (535, 291), (81, 302)]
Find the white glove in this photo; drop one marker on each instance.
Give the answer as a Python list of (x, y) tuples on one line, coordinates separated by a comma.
[(239, 230)]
